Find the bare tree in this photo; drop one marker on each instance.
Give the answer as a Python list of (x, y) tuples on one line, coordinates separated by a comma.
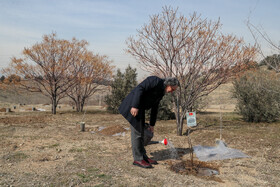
[(260, 36), (46, 65), (191, 49), (95, 70)]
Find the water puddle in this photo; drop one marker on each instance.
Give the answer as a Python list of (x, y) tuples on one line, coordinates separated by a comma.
[(197, 168)]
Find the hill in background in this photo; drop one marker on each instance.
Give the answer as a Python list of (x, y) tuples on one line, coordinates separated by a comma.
[(12, 97), (219, 100)]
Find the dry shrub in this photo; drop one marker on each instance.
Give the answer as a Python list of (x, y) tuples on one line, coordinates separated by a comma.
[(258, 98)]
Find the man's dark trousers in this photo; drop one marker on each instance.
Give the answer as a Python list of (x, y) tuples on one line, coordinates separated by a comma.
[(137, 139)]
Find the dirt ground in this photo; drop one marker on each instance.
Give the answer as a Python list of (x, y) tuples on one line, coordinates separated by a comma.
[(41, 149)]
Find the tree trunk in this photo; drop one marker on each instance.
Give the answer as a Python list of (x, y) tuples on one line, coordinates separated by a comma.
[(77, 106), (54, 104), (80, 102), (179, 129), (179, 115), (180, 124), (82, 105)]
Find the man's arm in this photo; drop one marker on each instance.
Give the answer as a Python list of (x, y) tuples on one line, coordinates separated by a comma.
[(154, 112)]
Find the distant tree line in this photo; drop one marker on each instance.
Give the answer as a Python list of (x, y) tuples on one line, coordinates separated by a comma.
[(11, 79)]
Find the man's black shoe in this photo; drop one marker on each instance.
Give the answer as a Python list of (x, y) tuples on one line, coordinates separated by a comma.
[(147, 159), (151, 161), (142, 164)]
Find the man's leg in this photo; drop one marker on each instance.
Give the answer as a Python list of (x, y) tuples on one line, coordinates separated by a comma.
[(137, 141), (137, 138)]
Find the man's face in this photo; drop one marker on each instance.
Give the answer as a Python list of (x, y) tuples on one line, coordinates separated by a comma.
[(170, 89)]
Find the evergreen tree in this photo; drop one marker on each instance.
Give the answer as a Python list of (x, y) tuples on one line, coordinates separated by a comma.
[(165, 109), (122, 84), (2, 78)]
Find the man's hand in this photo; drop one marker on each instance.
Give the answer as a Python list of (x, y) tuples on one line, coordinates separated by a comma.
[(134, 111)]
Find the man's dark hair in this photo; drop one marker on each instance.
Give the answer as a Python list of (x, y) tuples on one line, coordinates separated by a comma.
[(171, 81)]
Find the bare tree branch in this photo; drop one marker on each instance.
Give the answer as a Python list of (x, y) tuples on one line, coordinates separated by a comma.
[(258, 34)]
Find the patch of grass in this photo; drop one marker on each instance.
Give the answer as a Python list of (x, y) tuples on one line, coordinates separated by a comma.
[(92, 170), (104, 176), (54, 145), (3, 174), (83, 177), (49, 146), (98, 111), (93, 173), (27, 174), (89, 112), (99, 185), (231, 116), (15, 157), (35, 137), (76, 150)]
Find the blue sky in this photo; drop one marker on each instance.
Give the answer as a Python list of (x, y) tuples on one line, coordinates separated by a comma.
[(106, 24)]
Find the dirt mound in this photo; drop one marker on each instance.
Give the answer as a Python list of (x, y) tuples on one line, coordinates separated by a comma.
[(2, 109), (112, 130)]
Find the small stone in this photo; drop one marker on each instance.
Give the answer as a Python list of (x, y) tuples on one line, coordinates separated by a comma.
[(59, 150)]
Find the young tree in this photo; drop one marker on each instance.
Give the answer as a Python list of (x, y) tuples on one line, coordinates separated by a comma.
[(95, 70), (191, 49), (122, 84), (46, 65)]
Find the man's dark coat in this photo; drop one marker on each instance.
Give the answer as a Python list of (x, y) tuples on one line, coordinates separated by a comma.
[(145, 96)]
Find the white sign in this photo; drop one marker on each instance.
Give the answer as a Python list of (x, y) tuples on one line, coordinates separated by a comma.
[(191, 119)]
